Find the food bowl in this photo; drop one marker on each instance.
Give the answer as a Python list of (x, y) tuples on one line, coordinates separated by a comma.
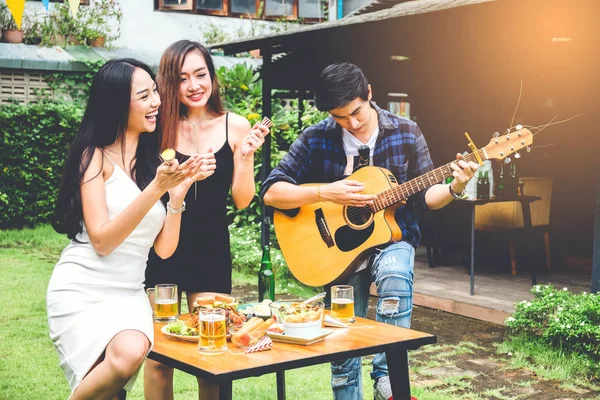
[(300, 319), (246, 339), (304, 330), (263, 309), (278, 308)]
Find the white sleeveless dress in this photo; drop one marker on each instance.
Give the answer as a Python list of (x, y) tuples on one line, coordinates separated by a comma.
[(91, 297)]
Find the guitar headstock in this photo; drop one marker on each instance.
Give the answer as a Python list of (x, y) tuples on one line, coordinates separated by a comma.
[(502, 146)]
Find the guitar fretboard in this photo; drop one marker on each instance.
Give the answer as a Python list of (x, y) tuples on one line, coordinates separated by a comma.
[(407, 189)]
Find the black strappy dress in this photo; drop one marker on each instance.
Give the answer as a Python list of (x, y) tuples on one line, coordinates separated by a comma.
[(202, 261)]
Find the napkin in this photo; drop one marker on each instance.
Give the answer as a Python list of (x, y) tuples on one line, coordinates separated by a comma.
[(263, 344), (330, 321)]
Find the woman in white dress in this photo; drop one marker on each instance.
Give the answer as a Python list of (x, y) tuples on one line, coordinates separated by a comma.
[(109, 205)]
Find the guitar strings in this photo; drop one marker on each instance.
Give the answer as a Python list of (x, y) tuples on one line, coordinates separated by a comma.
[(518, 102), (397, 194), (542, 127)]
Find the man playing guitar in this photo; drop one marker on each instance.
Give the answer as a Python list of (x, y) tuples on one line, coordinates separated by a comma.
[(326, 153)]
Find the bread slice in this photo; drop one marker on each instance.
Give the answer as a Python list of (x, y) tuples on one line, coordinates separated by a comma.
[(204, 301), (225, 299)]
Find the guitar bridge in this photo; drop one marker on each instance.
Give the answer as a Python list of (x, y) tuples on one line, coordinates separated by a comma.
[(323, 228)]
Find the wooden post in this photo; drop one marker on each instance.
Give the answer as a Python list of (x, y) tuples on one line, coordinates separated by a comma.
[(300, 109), (266, 148), (596, 262)]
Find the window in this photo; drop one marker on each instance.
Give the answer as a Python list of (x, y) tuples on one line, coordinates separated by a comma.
[(244, 6), (216, 6), (176, 4), (309, 10), (280, 8)]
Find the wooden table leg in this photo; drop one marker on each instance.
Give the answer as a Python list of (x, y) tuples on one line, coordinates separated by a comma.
[(397, 361), (225, 391), (280, 385), (472, 271), (529, 232)]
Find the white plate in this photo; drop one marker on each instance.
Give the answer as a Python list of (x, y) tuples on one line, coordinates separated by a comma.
[(186, 338), (283, 338)]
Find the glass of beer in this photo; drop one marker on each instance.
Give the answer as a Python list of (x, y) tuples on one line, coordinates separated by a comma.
[(165, 302), (342, 303), (213, 331)]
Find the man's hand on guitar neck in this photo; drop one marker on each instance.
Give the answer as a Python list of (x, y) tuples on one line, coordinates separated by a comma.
[(345, 192), (438, 195), (462, 172)]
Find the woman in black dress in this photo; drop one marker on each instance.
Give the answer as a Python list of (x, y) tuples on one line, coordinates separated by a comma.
[(193, 122)]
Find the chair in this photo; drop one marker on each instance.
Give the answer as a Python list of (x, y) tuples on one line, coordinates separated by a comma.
[(508, 216)]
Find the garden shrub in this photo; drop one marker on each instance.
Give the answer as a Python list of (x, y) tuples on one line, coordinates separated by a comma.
[(34, 142), (569, 322)]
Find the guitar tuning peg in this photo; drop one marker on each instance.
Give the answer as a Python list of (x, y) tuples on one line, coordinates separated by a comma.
[(496, 134), (507, 160), (507, 131), (519, 127), (517, 155), (528, 149)]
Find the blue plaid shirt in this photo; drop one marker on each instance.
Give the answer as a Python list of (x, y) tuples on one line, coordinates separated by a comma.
[(318, 156)]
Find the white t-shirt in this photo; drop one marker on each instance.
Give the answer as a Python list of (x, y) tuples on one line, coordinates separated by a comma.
[(351, 145)]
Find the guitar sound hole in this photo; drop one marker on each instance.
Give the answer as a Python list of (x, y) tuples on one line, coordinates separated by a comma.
[(358, 215)]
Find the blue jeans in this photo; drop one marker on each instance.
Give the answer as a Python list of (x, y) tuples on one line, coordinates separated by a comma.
[(392, 272)]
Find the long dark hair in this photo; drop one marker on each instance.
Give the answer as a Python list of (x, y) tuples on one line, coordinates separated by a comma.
[(169, 80), (104, 122)]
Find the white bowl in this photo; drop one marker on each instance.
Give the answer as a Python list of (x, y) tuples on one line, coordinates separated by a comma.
[(305, 330)]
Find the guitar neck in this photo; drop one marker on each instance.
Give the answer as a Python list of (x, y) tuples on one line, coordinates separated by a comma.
[(407, 189)]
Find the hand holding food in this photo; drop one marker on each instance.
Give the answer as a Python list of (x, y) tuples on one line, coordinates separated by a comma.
[(168, 155)]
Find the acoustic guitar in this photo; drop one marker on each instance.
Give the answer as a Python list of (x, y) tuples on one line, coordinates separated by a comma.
[(323, 242)]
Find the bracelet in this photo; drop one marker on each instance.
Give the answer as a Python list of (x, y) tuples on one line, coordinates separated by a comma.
[(174, 211), (454, 194), (319, 193)]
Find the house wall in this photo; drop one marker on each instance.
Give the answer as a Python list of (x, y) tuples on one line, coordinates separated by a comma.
[(144, 28), (23, 86)]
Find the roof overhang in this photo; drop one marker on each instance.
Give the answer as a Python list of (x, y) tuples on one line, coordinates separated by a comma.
[(279, 42)]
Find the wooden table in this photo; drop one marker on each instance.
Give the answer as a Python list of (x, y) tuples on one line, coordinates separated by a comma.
[(362, 338)]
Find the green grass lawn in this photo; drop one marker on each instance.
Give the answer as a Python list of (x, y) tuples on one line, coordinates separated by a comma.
[(28, 362)]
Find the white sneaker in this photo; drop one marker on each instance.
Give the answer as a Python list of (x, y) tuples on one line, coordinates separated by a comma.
[(383, 388)]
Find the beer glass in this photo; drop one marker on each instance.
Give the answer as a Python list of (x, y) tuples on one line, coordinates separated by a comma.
[(165, 302), (213, 331), (342, 303)]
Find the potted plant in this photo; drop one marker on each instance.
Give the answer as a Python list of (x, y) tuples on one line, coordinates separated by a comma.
[(59, 28), (99, 20), (33, 34), (94, 38), (10, 32)]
